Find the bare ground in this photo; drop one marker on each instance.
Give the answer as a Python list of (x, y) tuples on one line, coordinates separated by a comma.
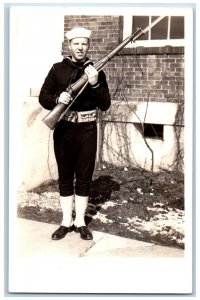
[(131, 203)]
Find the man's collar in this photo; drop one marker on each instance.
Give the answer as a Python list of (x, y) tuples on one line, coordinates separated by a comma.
[(78, 64)]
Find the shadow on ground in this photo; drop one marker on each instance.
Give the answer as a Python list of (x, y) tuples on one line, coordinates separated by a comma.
[(122, 203)]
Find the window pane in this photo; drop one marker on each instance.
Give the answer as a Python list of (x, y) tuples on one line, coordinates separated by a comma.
[(154, 131), (141, 22), (177, 28), (159, 31)]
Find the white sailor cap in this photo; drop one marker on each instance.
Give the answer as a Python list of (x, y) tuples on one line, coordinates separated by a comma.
[(78, 32)]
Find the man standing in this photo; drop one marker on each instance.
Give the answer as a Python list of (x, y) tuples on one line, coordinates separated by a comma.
[(75, 135)]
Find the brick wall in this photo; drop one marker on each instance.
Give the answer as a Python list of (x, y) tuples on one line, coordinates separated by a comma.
[(137, 76), (132, 76)]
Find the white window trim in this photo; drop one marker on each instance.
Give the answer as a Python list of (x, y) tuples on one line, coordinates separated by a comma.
[(127, 27)]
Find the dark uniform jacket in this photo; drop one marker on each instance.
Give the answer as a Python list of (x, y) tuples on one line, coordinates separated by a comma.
[(64, 73)]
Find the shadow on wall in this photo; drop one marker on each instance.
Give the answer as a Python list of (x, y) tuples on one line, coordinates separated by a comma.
[(38, 161)]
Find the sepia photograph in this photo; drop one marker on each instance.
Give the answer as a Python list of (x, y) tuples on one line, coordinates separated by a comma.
[(100, 149)]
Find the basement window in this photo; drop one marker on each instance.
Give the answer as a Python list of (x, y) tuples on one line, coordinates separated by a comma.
[(153, 131)]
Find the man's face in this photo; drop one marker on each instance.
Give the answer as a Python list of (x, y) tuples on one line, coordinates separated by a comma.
[(79, 48)]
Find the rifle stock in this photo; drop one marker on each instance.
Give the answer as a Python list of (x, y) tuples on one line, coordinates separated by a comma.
[(53, 116)]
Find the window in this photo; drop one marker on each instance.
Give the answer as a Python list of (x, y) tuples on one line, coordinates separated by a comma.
[(168, 32), (151, 131)]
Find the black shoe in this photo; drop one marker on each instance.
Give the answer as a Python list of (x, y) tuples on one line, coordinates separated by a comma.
[(61, 232), (84, 232)]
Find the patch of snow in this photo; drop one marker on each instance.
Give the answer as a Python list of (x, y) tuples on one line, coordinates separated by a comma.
[(102, 218), (108, 204), (170, 223)]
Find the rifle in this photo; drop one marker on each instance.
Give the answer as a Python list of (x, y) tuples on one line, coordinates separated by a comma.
[(77, 88)]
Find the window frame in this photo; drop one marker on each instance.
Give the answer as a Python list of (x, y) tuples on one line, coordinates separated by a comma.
[(127, 30)]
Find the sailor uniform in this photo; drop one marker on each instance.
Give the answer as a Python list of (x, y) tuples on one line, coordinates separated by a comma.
[(75, 135)]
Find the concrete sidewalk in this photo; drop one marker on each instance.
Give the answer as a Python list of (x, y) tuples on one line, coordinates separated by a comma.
[(34, 239), (39, 264)]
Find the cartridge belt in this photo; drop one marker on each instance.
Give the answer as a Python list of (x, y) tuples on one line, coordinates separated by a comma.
[(80, 116)]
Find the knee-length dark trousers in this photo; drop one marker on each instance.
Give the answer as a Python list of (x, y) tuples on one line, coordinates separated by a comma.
[(75, 147)]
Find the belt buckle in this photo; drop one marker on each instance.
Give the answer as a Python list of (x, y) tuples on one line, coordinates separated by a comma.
[(71, 116), (87, 117)]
